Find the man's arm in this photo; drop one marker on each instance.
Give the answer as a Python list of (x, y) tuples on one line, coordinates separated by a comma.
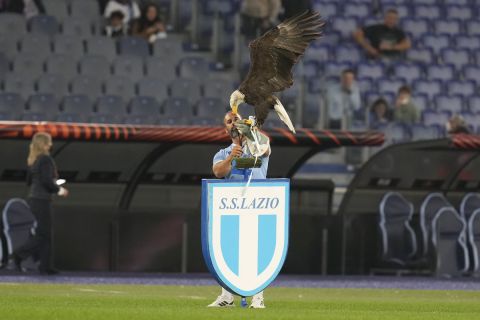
[(403, 45), (359, 37), (223, 167)]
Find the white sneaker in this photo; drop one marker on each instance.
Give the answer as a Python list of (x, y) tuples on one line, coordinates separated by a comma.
[(257, 303), (222, 301)]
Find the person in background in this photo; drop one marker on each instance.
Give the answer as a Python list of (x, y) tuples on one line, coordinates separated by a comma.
[(385, 39), (115, 27), (294, 7), (258, 16), (405, 110), (456, 124), (380, 113), (343, 101), (29, 8), (42, 177), (129, 8), (150, 26)]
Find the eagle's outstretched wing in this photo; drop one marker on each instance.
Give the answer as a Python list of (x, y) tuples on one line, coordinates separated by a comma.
[(273, 55)]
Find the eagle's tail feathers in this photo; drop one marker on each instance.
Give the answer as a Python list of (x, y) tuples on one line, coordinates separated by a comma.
[(283, 115)]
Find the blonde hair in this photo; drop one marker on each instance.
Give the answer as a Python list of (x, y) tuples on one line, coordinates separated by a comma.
[(38, 146)]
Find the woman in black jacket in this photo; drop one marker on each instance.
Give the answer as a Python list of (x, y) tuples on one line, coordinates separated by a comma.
[(42, 177)]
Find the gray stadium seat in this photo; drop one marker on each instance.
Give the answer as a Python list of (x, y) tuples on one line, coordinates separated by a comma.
[(134, 46), (424, 55), (140, 119), (77, 27), (28, 65), (9, 45), (102, 46), (422, 132), (46, 103), (38, 44), (4, 65), (120, 86), (71, 118), (173, 121), (153, 87), (168, 48), (472, 72), (128, 66), (17, 83), (415, 26), (311, 111), (399, 243), (57, 9), (443, 72), (470, 203), (77, 103), (44, 24), (106, 118), (185, 88), (177, 108), (142, 105), (86, 9), (62, 64), (69, 45), (11, 104), (408, 71), (458, 57), (452, 103), (90, 86), (449, 243), (464, 88), (110, 104), (437, 42), (430, 12), (193, 68), (55, 84), (12, 24), (473, 231), (210, 108), (431, 206), (37, 116), (217, 88), (430, 88), (450, 27), (205, 122), (95, 66), (160, 68)]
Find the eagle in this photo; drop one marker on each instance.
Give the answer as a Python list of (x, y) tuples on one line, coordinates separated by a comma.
[(272, 57)]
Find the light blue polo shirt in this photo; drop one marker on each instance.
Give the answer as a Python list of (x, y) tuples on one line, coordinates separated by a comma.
[(257, 173)]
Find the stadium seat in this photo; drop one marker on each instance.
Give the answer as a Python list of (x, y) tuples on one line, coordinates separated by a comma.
[(328, 9), (90, 86), (43, 103), (388, 85), (458, 57), (210, 107), (344, 25), (55, 84), (426, 2), (416, 27), (4, 66), (95, 66), (366, 84), (431, 12), (153, 87), (429, 87), (57, 9), (88, 10), (43, 24), (205, 122), (453, 103), (371, 96), (174, 121), (160, 68), (443, 72), (370, 69), (217, 88), (473, 27), (460, 12), (62, 64), (133, 46), (437, 42), (13, 25), (120, 86), (77, 27), (37, 116), (11, 104), (473, 231), (474, 103), (424, 55), (128, 66), (9, 45), (71, 118), (449, 243), (110, 104), (77, 104), (28, 66), (450, 27), (468, 42), (38, 44), (186, 88), (17, 83), (140, 119), (431, 118), (359, 10), (321, 52), (311, 111), (399, 243), (147, 106), (456, 2), (309, 69), (193, 68), (408, 71), (347, 53), (102, 46), (395, 132), (422, 132), (465, 88), (421, 101), (177, 108), (105, 118), (168, 48), (69, 45), (470, 203)]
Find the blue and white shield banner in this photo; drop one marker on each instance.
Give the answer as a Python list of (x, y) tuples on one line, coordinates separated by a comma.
[(245, 232)]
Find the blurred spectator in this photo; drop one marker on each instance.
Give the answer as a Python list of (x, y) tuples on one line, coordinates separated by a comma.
[(29, 8), (457, 124), (405, 110), (150, 26), (129, 8), (343, 101), (258, 16), (384, 39), (380, 113), (115, 27), (293, 7)]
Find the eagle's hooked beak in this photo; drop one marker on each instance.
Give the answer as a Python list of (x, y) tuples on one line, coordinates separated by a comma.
[(236, 98), (235, 109)]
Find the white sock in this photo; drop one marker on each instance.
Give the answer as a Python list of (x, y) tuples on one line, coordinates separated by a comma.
[(227, 294), (258, 295)]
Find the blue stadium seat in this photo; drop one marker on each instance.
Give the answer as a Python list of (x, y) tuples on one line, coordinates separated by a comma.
[(425, 2), (168, 48), (465, 88), (57, 9), (460, 12), (77, 27), (210, 108), (309, 69), (185, 88), (90, 86), (388, 85), (371, 69), (450, 27), (371, 96), (437, 42), (106, 118), (311, 111), (69, 45), (474, 103), (217, 88), (128, 66), (43, 103), (28, 65), (175, 121), (37, 116), (366, 84), (473, 27), (77, 103), (120, 86), (328, 9), (345, 26), (44, 24), (153, 87), (192, 68), (421, 101), (38, 44), (11, 105), (429, 87), (111, 104), (408, 71), (205, 122), (88, 10), (320, 52), (177, 108), (13, 25), (347, 53), (160, 68), (416, 27), (445, 72), (71, 118), (102, 46), (55, 84), (435, 118), (133, 46), (422, 132), (8, 44), (359, 10), (142, 105), (456, 2), (62, 64), (4, 66), (468, 42), (17, 83), (452, 103), (95, 66), (431, 12), (424, 55), (331, 38)]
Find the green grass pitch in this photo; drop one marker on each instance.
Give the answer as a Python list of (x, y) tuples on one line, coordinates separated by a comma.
[(83, 302)]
